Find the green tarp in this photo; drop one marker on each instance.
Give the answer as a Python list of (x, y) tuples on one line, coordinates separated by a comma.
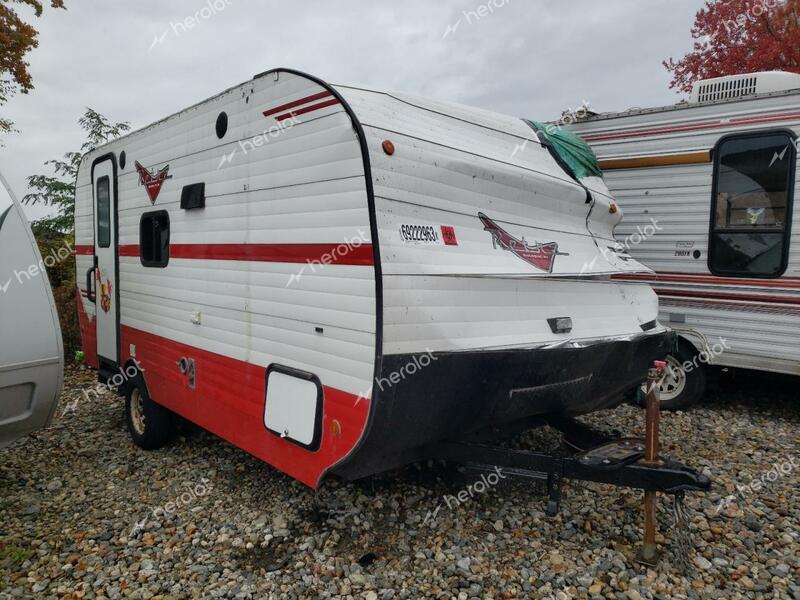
[(571, 148)]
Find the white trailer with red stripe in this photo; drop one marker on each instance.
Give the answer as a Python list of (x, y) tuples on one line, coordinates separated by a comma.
[(713, 180), (335, 278)]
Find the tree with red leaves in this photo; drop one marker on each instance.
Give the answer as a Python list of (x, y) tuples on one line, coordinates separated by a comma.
[(17, 38), (740, 36)]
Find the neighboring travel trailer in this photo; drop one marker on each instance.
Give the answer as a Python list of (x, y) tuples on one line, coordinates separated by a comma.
[(708, 188), (31, 354), (335, 279)]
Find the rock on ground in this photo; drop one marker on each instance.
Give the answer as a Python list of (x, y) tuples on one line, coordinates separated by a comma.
[(85, 514)]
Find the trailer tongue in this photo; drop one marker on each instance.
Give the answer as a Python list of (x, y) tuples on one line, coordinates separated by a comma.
[(592, 455)]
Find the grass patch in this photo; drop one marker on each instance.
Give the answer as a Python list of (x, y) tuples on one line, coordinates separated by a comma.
[(15, 554)]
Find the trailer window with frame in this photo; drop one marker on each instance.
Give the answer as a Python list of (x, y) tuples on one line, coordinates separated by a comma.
[(103, 191), (753, 192), (154, 239)]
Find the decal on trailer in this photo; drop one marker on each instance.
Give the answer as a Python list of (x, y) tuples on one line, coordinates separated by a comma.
[(419, 234), (683, 248), (152, 181), (303, 106), (428, 234), (540, 255), (105, 291), (449, 235)]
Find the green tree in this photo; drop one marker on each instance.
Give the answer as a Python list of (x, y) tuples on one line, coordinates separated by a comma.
[(17, 38), (58, 190), (54, 232)]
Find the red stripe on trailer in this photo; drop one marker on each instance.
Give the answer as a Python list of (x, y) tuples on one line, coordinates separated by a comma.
[(765, 118), (130, 250), (329, 254), (737, 297), (229, 402), (787, 282), (295, 103), (653, 131), (84, 249), (753, 120), (307, 109), (775, 309)]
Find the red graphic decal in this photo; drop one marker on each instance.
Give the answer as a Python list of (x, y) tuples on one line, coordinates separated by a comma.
[(152, 181), (302, 106), (541, 256), (449, 235), (296, 103)]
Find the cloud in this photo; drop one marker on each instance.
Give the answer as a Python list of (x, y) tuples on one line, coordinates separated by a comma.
[(528, 58)]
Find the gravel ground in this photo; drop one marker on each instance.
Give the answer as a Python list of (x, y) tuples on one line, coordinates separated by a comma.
[(85, 514)]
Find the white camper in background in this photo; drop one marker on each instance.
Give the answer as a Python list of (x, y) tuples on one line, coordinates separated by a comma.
[(717, 177), (31, 354), (335, 278)]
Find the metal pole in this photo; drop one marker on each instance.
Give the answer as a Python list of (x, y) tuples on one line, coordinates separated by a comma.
[(649, 552)]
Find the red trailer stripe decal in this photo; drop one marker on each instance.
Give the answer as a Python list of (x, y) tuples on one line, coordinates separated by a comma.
[(229, 401), (130, 250), (685, 278), (299, 102), (619, 135), (333, 254), (728, 297), (747, 307), (307, 109), (84, 250)]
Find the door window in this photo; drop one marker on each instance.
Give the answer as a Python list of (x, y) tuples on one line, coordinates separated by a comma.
[(752, 204), (103, 191)]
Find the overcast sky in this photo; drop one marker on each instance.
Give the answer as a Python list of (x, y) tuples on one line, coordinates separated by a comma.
[(137, 61)]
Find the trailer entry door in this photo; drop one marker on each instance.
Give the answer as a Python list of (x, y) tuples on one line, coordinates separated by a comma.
[(105, 259)]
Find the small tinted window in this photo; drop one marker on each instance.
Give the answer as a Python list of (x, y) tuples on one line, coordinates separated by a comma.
[(103, 191), (753, 190), (154, 239)]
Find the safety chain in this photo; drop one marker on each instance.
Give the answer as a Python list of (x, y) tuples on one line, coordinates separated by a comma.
[(681, 533)]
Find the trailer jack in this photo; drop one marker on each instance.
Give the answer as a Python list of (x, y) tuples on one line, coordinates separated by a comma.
[(594, 456)]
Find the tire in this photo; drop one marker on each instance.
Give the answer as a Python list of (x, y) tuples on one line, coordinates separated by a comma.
[(680, 389), (150, 425)]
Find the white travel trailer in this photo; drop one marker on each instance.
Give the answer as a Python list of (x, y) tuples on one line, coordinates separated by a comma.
[(714, 178), (31, 354), (335, 278)]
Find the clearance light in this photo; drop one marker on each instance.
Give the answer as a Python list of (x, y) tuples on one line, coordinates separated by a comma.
[(561, 324), (613, 208), (388, 147)]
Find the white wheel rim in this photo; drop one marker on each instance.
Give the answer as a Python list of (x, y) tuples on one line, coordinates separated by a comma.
[(672, 382), (137, 411)]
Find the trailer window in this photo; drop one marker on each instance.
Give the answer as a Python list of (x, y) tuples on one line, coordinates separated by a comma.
[(103, 212), (154, 239), (752, 204)]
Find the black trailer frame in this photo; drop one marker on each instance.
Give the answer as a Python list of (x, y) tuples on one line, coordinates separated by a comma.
[(588, 455)]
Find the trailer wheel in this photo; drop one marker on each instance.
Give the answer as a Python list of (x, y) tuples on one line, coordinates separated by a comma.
[(680, 388), (150, 425)]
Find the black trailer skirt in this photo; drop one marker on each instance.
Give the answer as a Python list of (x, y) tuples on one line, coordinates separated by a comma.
[(422, 399)]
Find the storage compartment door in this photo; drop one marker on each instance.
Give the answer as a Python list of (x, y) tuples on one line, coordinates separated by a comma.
[(293, 407)]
